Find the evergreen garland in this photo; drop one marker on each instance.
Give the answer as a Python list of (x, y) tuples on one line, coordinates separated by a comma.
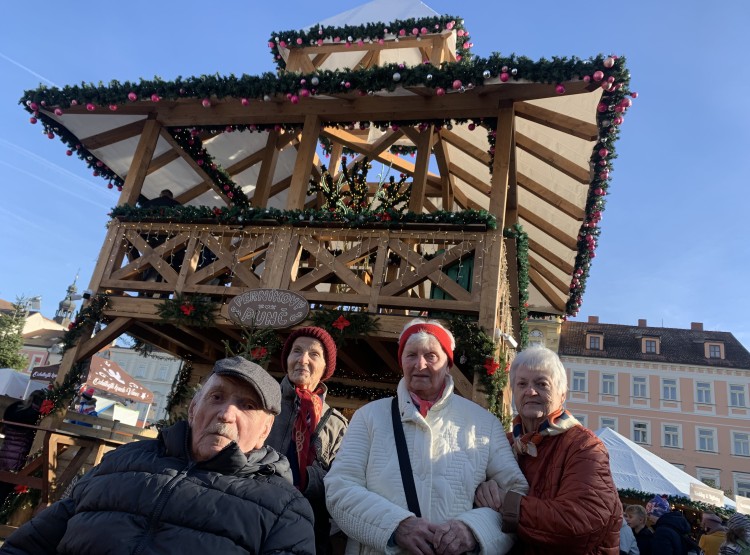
[(89, 315), (239, 216), (187, 310), (475, 353), (178, 394), (257, 345), (522, 264), (371, 32), (344, 325), (677, 501)]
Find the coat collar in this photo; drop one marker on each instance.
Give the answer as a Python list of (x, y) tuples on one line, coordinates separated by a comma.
[(407, 408)]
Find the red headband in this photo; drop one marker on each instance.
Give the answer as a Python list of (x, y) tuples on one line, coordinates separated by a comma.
[(436, 331)]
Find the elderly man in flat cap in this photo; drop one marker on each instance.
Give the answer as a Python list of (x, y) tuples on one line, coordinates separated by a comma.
[(208, 485)]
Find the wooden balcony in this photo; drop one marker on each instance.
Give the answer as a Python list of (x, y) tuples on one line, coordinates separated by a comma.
[(392, 274)]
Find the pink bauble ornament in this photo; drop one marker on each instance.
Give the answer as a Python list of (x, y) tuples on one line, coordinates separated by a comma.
[(206, 103), (504, 76), (611, 79), (472, 127), (304, 92), (119, 188), (601, 107), (245, 102), (402, 33), (110, 186), (456, 84), (415, 31), (586, 78), (155, 98), (608, 62), (598, 76), (50, 135), (271, 44), (58, 112), (294, 99), (90, 107), (450, 25), (199, 161), (282, 44), (599, 191), (560, 89), (626, 102), (319, 42), (34, 106), (69, 152), (634, 94), (440, 91), (603, 152), (299, 41), (132, 96), (423, 30), (33, 120)]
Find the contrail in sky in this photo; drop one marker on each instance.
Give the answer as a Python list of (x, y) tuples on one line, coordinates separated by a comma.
[(23, 67)]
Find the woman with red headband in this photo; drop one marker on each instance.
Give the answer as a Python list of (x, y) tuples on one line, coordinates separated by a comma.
[(451, 444)]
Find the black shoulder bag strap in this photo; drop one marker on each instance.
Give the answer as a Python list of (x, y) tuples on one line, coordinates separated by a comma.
[(403, 461)]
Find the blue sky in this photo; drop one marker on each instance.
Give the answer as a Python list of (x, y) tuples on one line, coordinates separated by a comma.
[(674, 246)]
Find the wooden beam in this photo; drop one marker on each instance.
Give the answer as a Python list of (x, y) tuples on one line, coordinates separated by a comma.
[(470, 179), (558, 201), (304, 163), (551, 257), (557, 161), (560, 122), (162, 160), (270, 155), (193, 192), (247, 162), (421, 170), (144, 152), (543, 225), (299, 60), (466, 147), (113, 330), (501, 165), (114, 135), (548, 275), (547, 291), (442, 158)]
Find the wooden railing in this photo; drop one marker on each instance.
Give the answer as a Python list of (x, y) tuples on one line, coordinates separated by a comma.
[(379, 270)]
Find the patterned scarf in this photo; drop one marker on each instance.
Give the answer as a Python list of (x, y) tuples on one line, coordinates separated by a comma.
[(557, 423), (423, 405), (310, 410)]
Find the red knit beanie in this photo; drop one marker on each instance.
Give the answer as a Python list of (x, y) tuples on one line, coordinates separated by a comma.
[(329, 347)]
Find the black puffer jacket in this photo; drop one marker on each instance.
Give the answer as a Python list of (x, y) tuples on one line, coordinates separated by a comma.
[(668, 533), (149, 498)]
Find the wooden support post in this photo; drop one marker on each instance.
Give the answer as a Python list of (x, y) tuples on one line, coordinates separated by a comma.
[(267, 170), (144, 153), (421, 169), (501, 166), (303, 164)]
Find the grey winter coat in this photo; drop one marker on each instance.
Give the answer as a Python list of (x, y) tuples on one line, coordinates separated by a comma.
[(149, 497), (326, 439)]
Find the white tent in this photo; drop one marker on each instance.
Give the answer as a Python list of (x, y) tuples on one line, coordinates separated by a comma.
[(16, 384), (633, 467)]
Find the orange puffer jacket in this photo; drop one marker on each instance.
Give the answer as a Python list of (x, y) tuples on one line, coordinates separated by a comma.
[(572, 506)]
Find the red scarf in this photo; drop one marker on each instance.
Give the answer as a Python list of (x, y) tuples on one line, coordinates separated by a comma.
[(310, 410)]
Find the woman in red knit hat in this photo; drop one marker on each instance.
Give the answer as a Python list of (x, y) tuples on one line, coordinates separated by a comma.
[(308, 431)]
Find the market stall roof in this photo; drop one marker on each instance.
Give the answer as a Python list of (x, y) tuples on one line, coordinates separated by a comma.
[(635, 468), (216, 132), (107, 375)]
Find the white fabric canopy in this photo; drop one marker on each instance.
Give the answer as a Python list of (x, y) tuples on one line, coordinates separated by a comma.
[(633, 467)]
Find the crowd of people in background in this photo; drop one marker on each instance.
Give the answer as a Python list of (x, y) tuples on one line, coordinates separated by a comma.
[(263, 467)]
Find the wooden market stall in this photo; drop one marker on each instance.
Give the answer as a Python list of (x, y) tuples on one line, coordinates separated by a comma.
[(503, 164)]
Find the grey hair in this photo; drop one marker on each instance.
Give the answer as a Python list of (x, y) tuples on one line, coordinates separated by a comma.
[(423, 336), (541, 359)]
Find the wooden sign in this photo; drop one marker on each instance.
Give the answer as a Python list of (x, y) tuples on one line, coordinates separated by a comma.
[(45, 373), (706, 494), (107, 375), (743, 504), (268, 308)]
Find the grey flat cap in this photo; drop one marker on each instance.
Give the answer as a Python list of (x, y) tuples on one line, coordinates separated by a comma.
[(255, 376)]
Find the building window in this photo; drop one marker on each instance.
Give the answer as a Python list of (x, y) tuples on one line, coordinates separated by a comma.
[(640, 432), (650, 346), (737, 395), (741, 484), (703, 394), (680, 466), (608, 384), (595, 342), (671, 435), (669, 389), (140, 371), (639, 387), (161, 375), (579, 381), (709, 476), (608, 422), (706, 439), (536, 337), (741, 444), (714, 350)]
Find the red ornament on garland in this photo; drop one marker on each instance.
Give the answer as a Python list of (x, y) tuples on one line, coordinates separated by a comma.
[(456, 84), (504, 76), (132, 96), (90, 107), (33, 120), (341, 323)]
